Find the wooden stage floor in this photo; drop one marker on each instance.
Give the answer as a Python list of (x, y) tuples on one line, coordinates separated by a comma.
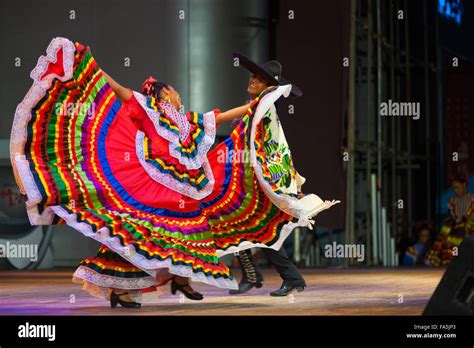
[(329, 292)]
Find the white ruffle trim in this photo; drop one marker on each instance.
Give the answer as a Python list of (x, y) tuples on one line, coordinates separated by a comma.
[(102, 286), (174, 139), (23, 115), (129, 253), (107, 281), (168, 180)]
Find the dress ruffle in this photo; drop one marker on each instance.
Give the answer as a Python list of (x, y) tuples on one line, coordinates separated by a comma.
[(108, 272), (190, 136), (199, 188)]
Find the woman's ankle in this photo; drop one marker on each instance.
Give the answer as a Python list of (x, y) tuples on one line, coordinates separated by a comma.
[(122, 294), (181, 280)]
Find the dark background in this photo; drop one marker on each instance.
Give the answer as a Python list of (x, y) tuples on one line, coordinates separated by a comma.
[(311, 48)]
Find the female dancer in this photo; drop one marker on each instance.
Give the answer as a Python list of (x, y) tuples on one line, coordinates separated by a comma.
[(458, 224), (138, 177)]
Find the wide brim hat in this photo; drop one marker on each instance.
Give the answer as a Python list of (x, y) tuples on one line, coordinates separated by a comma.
[(270, 71)]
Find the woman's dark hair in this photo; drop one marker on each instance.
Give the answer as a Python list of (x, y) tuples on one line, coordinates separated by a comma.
[(459, 177), (423, 225), (152, 87)]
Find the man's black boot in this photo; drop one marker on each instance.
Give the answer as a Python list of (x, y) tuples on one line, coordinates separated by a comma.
[(251, 277), (285, 289)]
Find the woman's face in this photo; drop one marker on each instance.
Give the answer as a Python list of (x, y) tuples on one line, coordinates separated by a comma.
[(424, 236), (256, 85), (459, 188), (171, 96)]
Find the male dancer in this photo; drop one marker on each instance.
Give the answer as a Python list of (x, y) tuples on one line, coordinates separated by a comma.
[(265, 75)]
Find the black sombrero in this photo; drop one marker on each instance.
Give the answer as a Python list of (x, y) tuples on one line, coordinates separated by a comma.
[(270, 71)]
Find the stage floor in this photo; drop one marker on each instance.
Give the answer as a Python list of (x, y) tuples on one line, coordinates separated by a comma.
[(329, 292)]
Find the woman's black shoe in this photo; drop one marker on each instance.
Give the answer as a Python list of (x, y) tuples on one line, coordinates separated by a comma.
[(186, 290), (115, 299)]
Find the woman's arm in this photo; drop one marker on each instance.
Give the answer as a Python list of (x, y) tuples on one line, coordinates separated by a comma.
[(229, 115), (122, 92), (18, 180)]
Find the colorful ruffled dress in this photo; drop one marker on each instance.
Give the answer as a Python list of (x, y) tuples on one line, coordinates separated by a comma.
[(138, 177), (452, 234)]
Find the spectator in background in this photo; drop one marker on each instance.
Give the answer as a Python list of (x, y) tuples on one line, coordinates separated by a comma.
[(415, 253), (459, 223)]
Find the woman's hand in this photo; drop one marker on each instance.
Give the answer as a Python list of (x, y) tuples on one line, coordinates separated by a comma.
[(231, 114)]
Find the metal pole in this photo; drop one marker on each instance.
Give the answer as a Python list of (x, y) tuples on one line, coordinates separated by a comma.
[(394, 152), (427, 115), (369, 217), (380, 210), (297, 245), (408, 139), (440, 151), (379, 96), (379, 226), (393, 261), (351, 129), (385, 123), (383, 230), (373, 205), (398, 124), (389, 243)]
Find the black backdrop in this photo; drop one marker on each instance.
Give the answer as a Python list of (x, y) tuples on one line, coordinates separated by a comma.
[(311, 48)]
